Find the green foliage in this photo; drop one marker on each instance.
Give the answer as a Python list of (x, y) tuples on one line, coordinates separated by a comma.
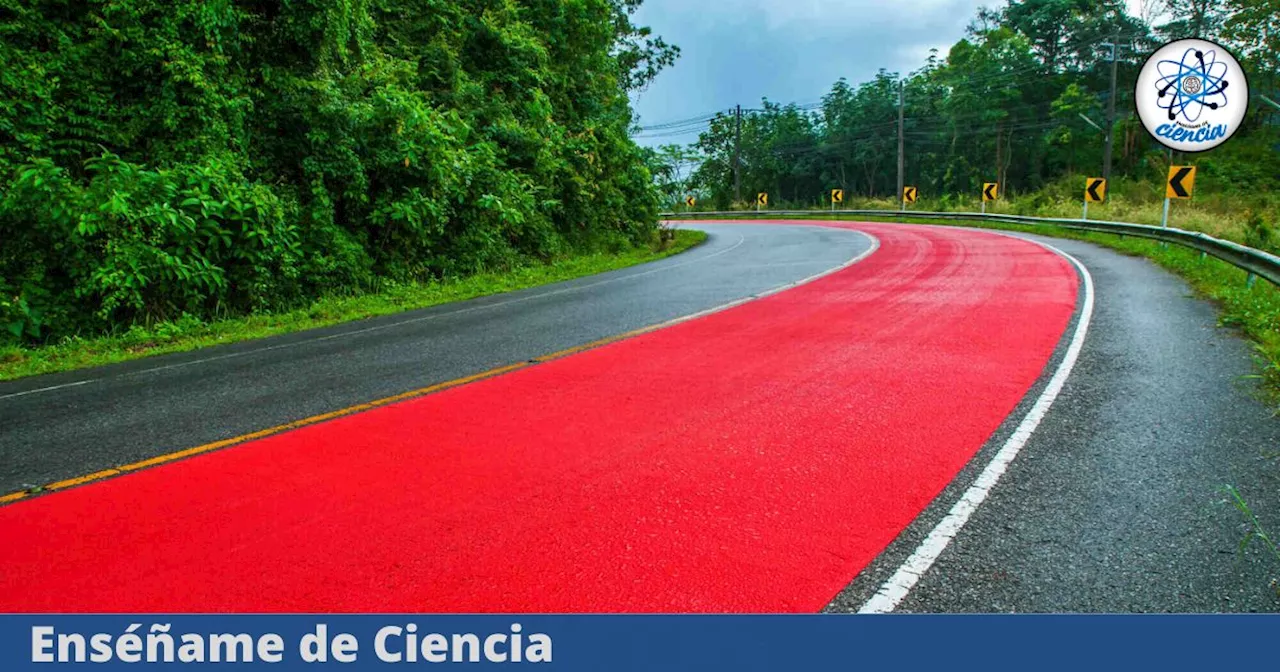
[(1261, 235), (1012, 103), (222, 157), (189, 332), (1255, 532), (671, 167)]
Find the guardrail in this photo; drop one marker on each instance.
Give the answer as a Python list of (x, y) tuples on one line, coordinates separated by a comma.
[(1256, 263)]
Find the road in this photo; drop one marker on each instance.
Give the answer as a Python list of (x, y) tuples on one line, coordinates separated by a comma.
[(1116, 503), (62, 426), (786, 454)]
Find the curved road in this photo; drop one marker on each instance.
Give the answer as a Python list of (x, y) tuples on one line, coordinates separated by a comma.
[(66, 425), (787, 454), (1116, 503)]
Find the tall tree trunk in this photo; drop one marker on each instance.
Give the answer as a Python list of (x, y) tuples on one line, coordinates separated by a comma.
[(999, 153), (1008, 161)]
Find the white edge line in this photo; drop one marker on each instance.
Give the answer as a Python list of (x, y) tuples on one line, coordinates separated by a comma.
[(49, 389), (871, 248), (381, 327), (898, 586), (875, 244), (435, 316)]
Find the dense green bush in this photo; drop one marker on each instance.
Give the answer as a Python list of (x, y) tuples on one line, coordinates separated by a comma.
[(202, 157), (133, 243)]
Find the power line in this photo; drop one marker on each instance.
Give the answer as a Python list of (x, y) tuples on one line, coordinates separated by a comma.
[(700, 119), (1036, 68)]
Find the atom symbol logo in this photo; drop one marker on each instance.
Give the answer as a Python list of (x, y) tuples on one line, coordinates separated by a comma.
[(1194, 82), (1181, 95)]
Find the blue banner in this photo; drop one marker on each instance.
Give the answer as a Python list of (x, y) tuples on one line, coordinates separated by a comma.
[(666, 643)]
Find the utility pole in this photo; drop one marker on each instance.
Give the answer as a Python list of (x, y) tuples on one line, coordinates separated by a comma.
[(902, 159), (1111, 109), (737, 156)]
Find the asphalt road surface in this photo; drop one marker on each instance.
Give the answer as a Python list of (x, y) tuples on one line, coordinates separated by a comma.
[(65, 425), (1116, 504), (788, 454)]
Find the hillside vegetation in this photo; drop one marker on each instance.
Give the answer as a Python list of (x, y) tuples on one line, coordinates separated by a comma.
[(193, 159), (1010, 103), (1225, 214)]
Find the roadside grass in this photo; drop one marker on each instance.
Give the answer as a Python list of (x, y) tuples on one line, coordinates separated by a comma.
[(1200, 215), (1254, 532), (191, 334), (1246, 218)]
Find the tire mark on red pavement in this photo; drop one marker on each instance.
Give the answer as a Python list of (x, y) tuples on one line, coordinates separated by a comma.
[(752, 460)]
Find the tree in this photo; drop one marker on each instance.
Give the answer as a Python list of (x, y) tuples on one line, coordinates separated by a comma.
[(1004, 105), (672, 167), (168, 158)]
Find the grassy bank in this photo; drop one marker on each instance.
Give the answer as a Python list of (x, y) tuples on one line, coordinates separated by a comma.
[(1249, 219), (190, 334), (1240, 226)]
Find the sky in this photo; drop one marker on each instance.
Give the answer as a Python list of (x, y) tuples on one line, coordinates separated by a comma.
[(789, 51)]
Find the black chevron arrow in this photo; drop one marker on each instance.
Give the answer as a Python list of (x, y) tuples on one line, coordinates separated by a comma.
[(989, 192), (1176, 182), (1093, 189)]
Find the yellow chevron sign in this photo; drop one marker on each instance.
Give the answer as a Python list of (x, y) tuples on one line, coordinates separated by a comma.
[(837, 195), (691, 201), (762, 199), (1095, 190), (990, 191), (909, 194)]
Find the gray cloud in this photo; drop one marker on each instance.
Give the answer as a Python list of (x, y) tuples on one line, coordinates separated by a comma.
[(739, 51)]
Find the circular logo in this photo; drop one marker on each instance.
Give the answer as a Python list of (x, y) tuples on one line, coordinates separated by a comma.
[(1192, 95)]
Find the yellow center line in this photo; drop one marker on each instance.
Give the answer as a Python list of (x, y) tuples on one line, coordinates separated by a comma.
[(296, 424), (262, 433), (225, 443), (315, 419)]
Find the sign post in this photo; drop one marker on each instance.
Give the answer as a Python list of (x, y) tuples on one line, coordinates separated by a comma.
[(762, 200), (908, 196), (837, 196)]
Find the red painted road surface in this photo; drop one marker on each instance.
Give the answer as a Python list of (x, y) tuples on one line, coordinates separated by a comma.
[(752, 460)]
